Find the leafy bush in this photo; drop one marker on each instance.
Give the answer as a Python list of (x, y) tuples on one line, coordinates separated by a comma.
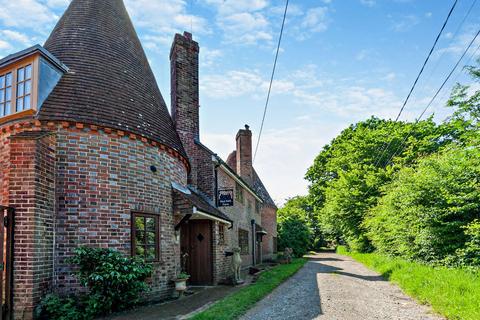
[(424, 211), (293, 233), (347, 175), (114, 283), (470, 255), (55, 307)]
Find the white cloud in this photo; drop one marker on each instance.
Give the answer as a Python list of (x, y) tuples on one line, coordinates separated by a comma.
[(34, 14), (368, 3), (458, 45), (15, 36), (405, 23), (232, 84), (362, 55), (227, 7), (390, 76), (4, 45), (209, 57), (58, 3), (165, 17), (305, 88), (245, 28), (316, 19)]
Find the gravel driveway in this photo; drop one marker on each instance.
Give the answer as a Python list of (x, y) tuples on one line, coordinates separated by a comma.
[(331, 286)]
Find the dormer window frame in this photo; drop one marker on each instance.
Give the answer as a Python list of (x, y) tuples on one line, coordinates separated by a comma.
[(13, 69)]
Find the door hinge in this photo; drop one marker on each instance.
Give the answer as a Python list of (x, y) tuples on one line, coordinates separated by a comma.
[(2, 267), (5, 221)]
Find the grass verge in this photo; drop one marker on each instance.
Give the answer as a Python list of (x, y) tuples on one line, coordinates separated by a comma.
[(238, 303), (454, 293)]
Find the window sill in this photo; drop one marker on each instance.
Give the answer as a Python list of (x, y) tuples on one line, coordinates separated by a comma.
[(18, 115)]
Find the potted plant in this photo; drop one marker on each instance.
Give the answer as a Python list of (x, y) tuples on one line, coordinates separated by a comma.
[(181, 282)]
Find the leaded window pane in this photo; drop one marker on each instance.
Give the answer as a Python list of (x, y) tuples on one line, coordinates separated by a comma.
[(8, 79), (8, 94), (27, 103), (20, 74), (28, 87), (28, 72), (20, 89), (19, 104)]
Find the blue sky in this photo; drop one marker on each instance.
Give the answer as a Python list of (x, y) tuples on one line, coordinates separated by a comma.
[(341, 61)]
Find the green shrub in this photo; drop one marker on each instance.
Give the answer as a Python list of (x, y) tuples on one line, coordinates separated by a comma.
[(424, 211), (114, 283), (55, 307), (293, 233), (470, 255)]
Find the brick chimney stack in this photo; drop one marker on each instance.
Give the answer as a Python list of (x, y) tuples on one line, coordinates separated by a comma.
[(185, 95), (244, 154)]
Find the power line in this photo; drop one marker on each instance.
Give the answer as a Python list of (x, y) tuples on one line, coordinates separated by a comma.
[(402, 145), (385, 146), (455, 34), (271, 80)]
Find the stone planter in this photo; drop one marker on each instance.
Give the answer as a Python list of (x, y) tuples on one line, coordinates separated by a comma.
[(180, 285)]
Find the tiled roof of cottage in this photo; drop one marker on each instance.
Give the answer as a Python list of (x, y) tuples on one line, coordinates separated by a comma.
[(258, 185), (199, 201), (110, 82)]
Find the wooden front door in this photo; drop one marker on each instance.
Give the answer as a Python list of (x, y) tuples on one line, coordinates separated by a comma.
[(196, 240), (6, 254)]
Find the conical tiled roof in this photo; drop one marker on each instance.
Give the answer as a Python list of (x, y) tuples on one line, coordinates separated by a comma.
[(110, 82)]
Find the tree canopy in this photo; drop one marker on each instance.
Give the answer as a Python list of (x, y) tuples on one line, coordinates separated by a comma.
[(410, 189)]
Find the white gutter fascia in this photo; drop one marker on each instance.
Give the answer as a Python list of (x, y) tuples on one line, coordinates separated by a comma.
[(209, 216)]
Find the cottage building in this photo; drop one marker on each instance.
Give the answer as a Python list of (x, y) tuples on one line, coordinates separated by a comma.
[(90, 156)]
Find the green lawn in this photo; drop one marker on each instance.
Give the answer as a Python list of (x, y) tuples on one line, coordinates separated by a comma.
[(238, 303), (454, 293)]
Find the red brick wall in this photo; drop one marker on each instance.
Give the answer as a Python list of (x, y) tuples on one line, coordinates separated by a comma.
[(31, 193), (101, 179), (101, 176), (269, 223), (4, 165)]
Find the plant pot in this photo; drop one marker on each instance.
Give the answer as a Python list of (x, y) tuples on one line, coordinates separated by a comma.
[(180, 284)]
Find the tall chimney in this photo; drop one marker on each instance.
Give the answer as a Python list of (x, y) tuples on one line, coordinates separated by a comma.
[(185, 95), (244, 154)]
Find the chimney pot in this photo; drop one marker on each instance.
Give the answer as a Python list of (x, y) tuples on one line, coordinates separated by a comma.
[(247, 127)]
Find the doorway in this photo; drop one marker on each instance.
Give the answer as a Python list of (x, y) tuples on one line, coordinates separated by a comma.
[(6, 252), (196, 240)]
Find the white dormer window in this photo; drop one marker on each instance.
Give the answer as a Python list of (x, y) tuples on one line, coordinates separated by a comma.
[(26, 80), (18, 88)]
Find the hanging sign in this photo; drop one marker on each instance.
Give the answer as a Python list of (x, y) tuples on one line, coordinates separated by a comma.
[(225, 198)]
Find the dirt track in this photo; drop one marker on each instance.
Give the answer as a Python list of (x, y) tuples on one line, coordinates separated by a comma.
[(331, 286)]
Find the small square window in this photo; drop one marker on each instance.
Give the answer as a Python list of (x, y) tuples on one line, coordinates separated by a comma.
[(243, 241), (145, 236)]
